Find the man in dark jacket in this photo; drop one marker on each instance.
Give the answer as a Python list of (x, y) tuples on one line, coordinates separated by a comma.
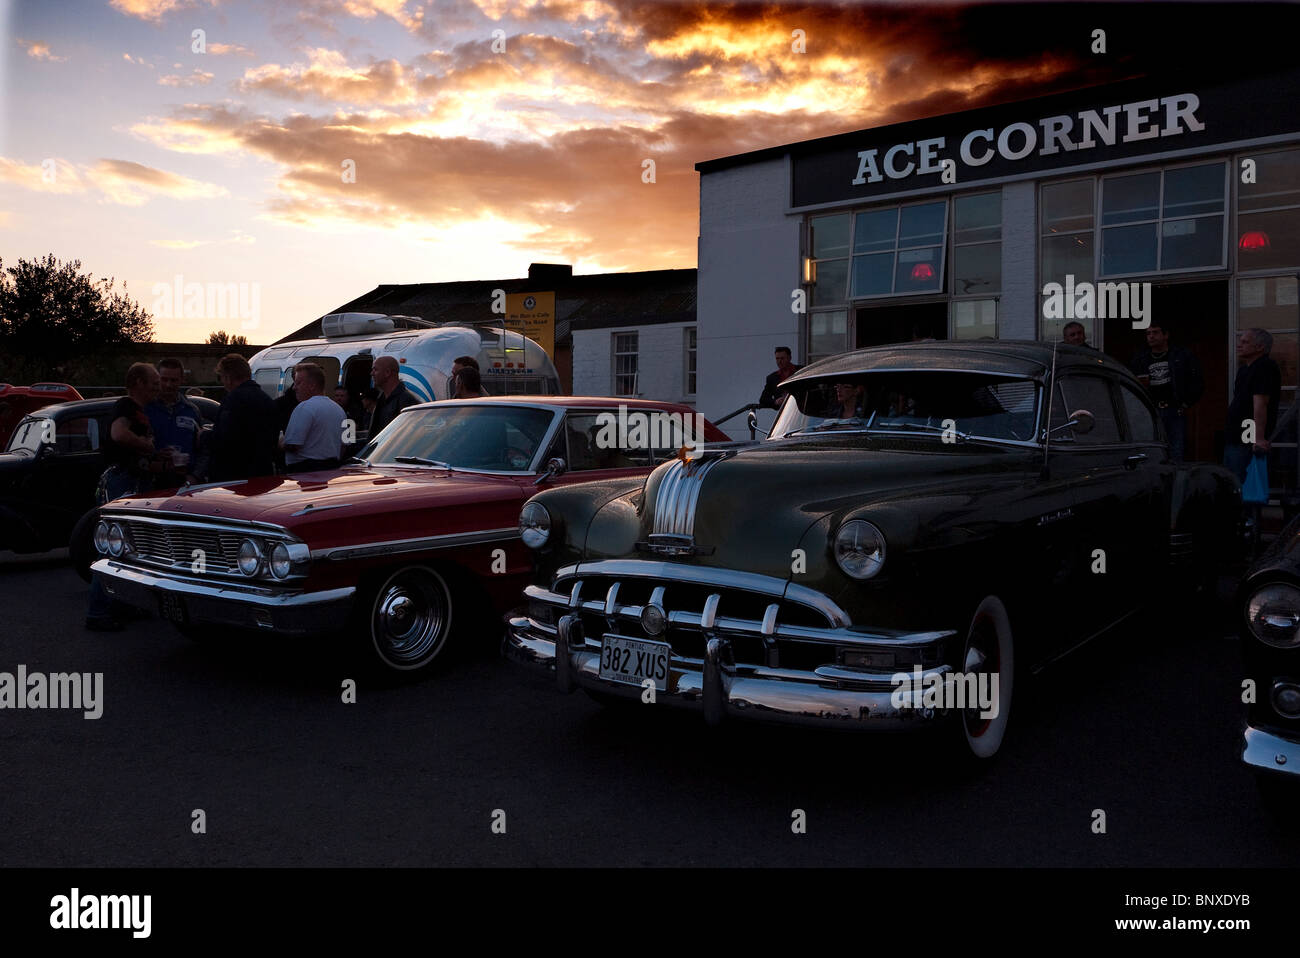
[(393, 394), (784, 370), (1174, 380), (245, 436)]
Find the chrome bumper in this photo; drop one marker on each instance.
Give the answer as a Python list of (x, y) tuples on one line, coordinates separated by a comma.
[(1270, 752), (234, 604), (828, 696)]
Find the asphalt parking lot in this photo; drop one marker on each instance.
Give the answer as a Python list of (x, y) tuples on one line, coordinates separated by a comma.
[(1141, 726)]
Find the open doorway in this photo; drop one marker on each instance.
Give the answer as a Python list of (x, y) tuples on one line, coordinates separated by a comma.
[(1195, 315), (878, 325)]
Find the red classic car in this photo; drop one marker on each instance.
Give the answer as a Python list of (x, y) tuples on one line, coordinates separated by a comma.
[(411, 544)]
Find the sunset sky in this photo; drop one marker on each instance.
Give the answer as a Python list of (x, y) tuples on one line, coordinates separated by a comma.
[(122, 147)]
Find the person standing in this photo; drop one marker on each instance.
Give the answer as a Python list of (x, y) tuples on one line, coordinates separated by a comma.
[(1174, 380), (176, 424), (314, 437), (1252, 412), (244, 438), (1073, 334), (129, 450), (393, 394), (466, 384), (784, 370), (459, 363)]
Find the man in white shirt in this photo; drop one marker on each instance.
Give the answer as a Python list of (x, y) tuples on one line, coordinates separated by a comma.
[(313, 440)]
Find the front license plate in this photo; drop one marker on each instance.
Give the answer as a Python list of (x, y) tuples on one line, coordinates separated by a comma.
[(172, 607), (633, 661)]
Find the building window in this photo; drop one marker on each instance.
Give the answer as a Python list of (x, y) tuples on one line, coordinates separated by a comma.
[(828, 334), (1066, 227), (625, 364), (974, 318), (690, 361), (977, 244), (828, 240), (899, 250), (1268, 213), (1163, 220)]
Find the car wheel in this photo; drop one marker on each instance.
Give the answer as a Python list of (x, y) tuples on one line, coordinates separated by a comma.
[(977, 734), (81, 544), (407, 621)]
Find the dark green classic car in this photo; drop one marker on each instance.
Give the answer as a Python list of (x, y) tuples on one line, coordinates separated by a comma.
[(925, 523)]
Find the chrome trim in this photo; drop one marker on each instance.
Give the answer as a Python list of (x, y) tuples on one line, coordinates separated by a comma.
[(210, 485), (721, 689), (709, 616), (399, 546), (678, 496), (1270, 752), (312, 508), (230, 591), (611, 599), (769, 619), (237, 526)]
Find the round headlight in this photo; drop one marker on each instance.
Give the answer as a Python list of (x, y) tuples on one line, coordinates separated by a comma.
[(859, 549), (1286, 699), (1273, 614), (116, 540), (250, 557), (534, 525), (280, 563), (101, 537)]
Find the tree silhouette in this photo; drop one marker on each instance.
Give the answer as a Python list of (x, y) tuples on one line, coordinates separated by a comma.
[(222, 338), (51, 313)]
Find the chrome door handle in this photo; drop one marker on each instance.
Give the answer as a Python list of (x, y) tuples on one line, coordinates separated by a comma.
[(1132, 462)]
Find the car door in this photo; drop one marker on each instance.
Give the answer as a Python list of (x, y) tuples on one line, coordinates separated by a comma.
[(1156, 476), (1111, 499), (66, 471)]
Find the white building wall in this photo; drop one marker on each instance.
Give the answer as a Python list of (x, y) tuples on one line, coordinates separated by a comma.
[(748, 267), (661, 361)]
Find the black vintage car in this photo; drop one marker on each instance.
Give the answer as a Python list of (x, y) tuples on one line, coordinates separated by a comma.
[(925, 523), (48, 488), (1269, 597)]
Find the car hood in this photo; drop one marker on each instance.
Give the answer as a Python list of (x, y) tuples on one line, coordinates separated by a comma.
[(753, 505), (305, 499)]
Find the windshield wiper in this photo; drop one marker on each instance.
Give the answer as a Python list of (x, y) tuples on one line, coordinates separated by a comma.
[(421, 461), (924, 426), (830, 424)]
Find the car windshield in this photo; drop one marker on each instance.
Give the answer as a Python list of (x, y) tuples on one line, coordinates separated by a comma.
[(958, 405), (28, 435), (462, 436)]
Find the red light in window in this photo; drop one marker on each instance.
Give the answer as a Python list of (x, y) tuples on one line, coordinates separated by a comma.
[(922, 271), (496, 365), (1255, 239)]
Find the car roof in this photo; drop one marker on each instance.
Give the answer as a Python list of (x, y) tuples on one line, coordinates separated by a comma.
[(98, 404), (566, 402), (996, 356)]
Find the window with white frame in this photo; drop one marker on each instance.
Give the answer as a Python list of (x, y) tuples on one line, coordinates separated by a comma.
[(1163, 220), (690, 361), (625, 364)]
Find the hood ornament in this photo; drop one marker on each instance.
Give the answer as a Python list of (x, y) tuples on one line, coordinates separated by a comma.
[(673, 531)]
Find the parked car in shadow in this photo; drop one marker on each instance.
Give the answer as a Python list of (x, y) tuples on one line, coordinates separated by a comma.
[(926, 524), (48, 473)]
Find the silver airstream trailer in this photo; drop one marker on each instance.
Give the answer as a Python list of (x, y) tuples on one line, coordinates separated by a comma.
[(509, 363)]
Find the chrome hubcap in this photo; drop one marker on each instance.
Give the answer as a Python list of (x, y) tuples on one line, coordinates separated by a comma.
[(410, 618)]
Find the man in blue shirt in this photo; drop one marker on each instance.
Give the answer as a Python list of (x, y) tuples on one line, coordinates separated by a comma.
[(176, 424)]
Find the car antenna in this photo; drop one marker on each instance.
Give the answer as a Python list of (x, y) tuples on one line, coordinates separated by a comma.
[(1047, 429)]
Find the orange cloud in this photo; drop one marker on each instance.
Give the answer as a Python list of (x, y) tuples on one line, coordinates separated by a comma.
[(40, 51), (196, 78)]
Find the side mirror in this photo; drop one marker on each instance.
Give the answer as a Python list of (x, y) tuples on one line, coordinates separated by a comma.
[(1082, 421), (752, 421), (554, 467)]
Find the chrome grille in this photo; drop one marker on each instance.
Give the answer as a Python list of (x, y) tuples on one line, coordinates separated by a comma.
[(175, 545), (678, 496)]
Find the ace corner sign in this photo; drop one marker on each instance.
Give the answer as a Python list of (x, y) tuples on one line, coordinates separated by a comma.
[(533, 314)]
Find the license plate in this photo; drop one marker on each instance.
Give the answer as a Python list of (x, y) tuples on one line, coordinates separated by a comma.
[(633, 661), (172, 607)]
